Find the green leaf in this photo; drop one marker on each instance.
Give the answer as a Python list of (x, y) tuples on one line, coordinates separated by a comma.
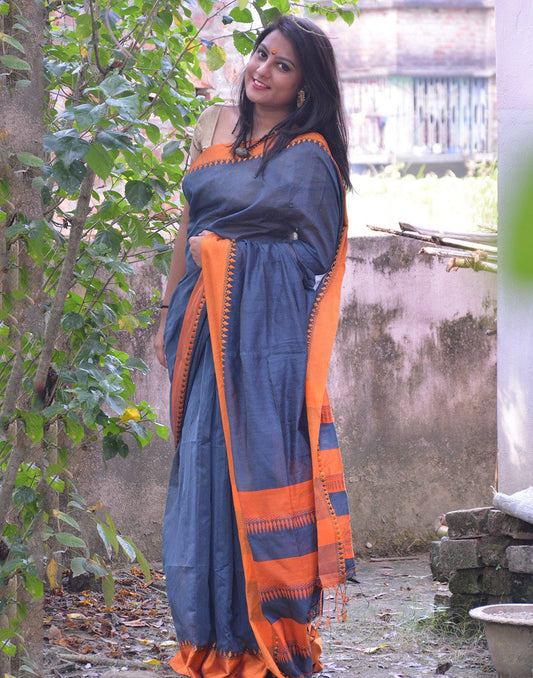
[(112, 139), (283, 5), (162, 431), (78, 566), (243, 42), (129, 106), (30, 159), (33, 585), (88, 114), (110, 239), (137, 364), (138, 194), (140, 559), (347, 16), (72, 321), (108, 588), (206, 5), (33, 425), (127, 547), (4, 7), (74, 429), (68, 539), (84, 26), (69, 178), (67, 145), (243, 4), (10, 40), (242, 16), (113, 445), (114, 85), (66, 519), (153, 133), (14, 63), (215, 57), (24, 494), (100, 160)]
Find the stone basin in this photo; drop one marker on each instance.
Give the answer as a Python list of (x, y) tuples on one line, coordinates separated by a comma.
[(509, 631)]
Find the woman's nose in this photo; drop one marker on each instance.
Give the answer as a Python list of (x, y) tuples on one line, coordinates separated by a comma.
[(264, 67)]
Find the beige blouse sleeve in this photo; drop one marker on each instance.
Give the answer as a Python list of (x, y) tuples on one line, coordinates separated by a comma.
[(204, 130)]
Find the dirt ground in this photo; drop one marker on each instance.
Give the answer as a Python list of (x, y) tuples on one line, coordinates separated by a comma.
[(389, 632)]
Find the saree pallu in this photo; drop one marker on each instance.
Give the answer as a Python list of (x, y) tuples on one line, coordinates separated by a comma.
[(257, 520)]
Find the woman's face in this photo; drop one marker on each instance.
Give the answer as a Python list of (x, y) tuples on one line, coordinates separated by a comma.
[(273, 75)]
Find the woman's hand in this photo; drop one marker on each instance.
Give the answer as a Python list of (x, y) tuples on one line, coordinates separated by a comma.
[(195, 245), (158, 341)]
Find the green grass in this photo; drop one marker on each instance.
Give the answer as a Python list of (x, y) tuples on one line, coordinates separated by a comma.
[(448, 203)]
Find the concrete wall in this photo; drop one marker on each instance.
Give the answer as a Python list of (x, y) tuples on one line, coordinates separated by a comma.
[(413, 387)]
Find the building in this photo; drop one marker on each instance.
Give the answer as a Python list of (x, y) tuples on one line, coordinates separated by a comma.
[(419, 81)]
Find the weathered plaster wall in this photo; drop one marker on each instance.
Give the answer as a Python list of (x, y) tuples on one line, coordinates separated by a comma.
[(413, 388), (413, 385)]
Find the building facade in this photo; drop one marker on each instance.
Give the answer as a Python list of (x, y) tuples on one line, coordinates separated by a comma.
[(419, 80)]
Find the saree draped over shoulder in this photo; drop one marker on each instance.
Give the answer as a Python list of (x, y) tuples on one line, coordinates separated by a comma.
[(257, 522)]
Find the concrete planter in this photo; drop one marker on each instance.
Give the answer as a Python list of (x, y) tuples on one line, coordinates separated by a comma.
[(509, 631)]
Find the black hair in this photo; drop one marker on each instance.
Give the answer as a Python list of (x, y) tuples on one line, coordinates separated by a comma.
[(322, 109)]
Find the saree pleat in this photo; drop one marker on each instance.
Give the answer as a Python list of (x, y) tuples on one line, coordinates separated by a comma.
[(249, 357)]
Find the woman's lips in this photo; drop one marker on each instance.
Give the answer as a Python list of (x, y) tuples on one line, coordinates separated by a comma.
[(258, 84)]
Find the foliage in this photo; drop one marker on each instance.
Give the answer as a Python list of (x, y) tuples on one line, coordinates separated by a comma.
[(447, 203), (121, 102)]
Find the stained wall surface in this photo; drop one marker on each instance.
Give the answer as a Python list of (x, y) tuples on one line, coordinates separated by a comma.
[(413, 386)]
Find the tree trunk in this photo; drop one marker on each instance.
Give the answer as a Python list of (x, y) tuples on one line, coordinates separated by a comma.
[(21, 131)]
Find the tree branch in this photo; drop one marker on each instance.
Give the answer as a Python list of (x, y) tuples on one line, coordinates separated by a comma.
[(65, 277)]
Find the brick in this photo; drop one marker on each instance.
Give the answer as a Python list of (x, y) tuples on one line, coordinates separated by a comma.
[(520, 559), (434, 562), (463, 602), (469, 523), (500, 523), (443, 599), (492, 550), (458, 554), (466, 581), (497, 582), (522, 588)]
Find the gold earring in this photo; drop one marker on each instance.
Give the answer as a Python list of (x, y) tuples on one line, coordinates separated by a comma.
[(300, 99)]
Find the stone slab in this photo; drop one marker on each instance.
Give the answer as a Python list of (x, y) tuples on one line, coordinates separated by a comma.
[(458, 554), (520, 559), (468, 523), (467, 581), (522, 588), (497, 581), (434, 562), (492, 550), (500, 523)]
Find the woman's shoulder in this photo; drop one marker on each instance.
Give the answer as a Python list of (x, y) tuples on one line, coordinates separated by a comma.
[(316, 140), (212, 125)]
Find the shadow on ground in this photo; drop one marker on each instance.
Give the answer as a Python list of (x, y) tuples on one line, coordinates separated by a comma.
[(390, 630)]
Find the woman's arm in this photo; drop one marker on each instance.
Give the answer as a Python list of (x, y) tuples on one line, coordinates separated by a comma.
[(176, 273)]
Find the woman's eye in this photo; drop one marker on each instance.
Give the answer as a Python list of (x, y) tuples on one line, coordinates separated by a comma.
[(261, 53), (284, 67)]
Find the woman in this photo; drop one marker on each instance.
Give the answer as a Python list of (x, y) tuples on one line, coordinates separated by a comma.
[(257, 523)]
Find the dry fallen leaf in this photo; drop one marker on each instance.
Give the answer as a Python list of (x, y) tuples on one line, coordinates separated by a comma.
[(54, 634), (442, 668), (373, 650)]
